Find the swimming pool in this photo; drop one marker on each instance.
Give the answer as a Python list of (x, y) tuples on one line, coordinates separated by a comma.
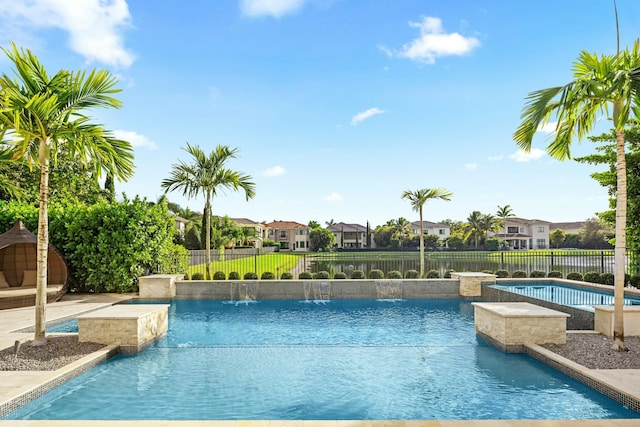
[(581, 298), (343, 359)]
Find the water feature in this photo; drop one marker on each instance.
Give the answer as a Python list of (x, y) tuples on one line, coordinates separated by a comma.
[(350, 359), (389, 290), (318, 292)]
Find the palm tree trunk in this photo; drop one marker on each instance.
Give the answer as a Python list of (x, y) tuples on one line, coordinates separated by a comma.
[(42, 248), (421, 246), (207, 238), (620, 247)]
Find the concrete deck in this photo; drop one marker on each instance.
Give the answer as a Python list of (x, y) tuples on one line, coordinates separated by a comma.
[(14, 383)]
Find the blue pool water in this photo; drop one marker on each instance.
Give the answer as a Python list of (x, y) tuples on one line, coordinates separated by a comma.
[(343, 359), (581, 298)]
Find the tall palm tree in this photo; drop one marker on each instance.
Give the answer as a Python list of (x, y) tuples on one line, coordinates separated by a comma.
[(473, 227), (401, 229), (601, 84), (503, 213), (43, 115), (488, 223), (207, 175), (417, 199)]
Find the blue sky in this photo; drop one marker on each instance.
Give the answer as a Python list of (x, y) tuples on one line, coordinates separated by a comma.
[(337, 106)]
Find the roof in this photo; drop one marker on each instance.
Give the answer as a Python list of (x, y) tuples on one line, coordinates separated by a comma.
[(245, 221), (286, 225), (347, 228), (514, 219), (429, 224), (17, 234)]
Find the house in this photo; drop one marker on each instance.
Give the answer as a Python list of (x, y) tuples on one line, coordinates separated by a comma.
[(260, 230), (291, 235), (443, 231), (524, 233), (568, 227), (181, 225), (349, 236)]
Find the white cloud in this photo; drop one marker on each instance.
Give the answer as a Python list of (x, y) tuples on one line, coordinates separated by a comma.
[(274, 171), (365, 115), (275, 8), (495, 158), (333, 197), (94, 26), (471, 166), (549, 128), (135, 139), (522, 156), (433, 42)]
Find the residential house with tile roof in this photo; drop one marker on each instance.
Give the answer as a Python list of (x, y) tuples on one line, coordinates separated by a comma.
[(524, 233), (291, 235), (443, 231), (260, 230), (349, 236)]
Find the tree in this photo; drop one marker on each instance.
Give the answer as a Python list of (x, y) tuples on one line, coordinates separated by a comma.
[(247, 236), (556, 237), (382, 236), (400, 230), (41, 116), (488, 223), (207, 175), (330, 223), (417, 199), (474, 226), (503, 213), (314, 224), (594, 235), (601, 84), (321, 239)]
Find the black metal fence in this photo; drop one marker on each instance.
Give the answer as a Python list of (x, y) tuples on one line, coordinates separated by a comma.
[(252, 260)]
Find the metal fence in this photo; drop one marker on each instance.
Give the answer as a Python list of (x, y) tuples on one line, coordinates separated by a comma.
[(263, 260)]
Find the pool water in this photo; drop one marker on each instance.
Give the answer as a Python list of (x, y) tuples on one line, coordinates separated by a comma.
[(343, 359), (580, 298)]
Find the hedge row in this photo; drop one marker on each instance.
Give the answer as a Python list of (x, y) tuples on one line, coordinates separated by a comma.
[(107, 246)]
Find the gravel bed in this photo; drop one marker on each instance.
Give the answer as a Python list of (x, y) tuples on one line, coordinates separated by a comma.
[(594, 351), (59, 351)]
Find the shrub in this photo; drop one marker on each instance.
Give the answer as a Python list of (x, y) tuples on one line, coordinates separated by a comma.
[(502, 274), (411, 274), (492, 244), (432, 274), (286, 276), (538, 274), (555, 274), (219, 275), (357, 274), (606, 279), (635, 281), (376, 274), (197, 276), (488, 271), (394, 274), (321, 275), (574, 275), (234, 275), (186, 276), (592, 277), (305, 275), (519, 274), (340, 275), (447, 274), (250, 275), (267, 275)]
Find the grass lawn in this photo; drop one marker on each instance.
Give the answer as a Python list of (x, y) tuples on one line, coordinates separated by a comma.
[(276, 263)]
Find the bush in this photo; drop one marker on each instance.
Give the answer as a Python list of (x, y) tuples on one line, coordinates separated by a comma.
[(186, 276), (592, 277), (502, 274), (488, 271), (340, 275), (538, 274), (555, 274), (606, 279), (574, 275), (234, 275), (219, 275), (519, 274), (432, 274), (197, 276), (492, 244), (394, 274), (376, 274), (322, 275), (357, 274), (250, 275), (411, 274), (635, 281), (286, 276), (447, 274), (267, 275), (305, 275)]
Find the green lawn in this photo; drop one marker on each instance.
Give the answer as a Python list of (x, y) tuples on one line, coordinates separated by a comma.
[(276, 263)]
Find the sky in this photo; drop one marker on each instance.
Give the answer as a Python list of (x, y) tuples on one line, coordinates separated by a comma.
[(337, 107)]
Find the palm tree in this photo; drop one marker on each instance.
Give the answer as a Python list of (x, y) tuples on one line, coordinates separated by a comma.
[(503, 213), (417, 199), (401, 229), (330, 223), (601, 84), (43, 116), (474, 226), (488, 223), (208, 175)]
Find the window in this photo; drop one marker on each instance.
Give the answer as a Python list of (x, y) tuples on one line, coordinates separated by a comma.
[(283, 234), (540, 229), (541, 243), (512, 230), (522, 229), (441, 231), (271, 233)]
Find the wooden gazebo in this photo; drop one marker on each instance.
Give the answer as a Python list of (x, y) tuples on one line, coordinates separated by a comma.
[(18, 256)]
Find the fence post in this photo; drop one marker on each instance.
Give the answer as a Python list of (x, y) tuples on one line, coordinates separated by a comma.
[(602, 262), (552, 263), (502, 260)]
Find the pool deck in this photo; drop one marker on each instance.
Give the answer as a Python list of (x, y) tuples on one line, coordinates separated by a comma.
[(16, 383)]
